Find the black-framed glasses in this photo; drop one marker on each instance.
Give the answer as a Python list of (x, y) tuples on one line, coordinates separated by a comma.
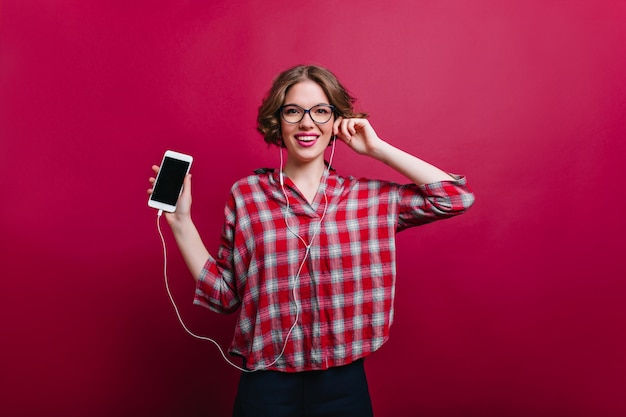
[(320, 114)]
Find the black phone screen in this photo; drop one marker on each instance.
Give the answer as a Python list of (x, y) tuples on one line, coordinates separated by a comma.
[(170, 181)]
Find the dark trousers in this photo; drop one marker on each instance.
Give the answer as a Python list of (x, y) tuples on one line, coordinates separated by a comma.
[(335, 392)]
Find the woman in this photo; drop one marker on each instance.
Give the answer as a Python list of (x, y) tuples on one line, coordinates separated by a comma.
[(307, 257)]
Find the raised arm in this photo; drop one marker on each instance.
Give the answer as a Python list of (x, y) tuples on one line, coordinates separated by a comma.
[(359, 135)]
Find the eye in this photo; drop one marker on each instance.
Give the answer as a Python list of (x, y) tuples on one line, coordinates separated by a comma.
[(290, 110), (322, 110)]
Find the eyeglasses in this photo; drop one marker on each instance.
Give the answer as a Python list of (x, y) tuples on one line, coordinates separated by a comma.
[(320, 114)]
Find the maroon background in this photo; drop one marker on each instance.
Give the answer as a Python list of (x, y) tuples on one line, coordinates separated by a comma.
[(514, 309)]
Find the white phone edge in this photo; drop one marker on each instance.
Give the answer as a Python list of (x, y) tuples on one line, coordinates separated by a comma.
[(175, 155)]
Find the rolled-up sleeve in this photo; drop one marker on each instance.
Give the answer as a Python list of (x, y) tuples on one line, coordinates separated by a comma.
[(435, 201), (216, 288)]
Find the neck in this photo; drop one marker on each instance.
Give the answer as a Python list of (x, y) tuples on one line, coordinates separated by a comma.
[(310, 172), (306, 177)]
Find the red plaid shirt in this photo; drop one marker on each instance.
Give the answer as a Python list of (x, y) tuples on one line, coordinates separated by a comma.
[(345, 290)]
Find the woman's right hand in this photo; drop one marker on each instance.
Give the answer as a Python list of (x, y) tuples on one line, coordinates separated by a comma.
[(187, 237), (183, 205)]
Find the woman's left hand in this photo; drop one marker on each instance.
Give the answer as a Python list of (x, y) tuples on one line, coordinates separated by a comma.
[(358, 134)]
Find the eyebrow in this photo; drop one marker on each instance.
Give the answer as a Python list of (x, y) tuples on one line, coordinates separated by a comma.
[(297, 105)]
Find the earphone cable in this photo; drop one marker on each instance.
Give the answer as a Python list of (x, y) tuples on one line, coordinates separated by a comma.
[(169, 293), (296, 279)]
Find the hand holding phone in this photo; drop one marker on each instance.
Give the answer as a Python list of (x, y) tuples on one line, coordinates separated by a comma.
[(168, 184)]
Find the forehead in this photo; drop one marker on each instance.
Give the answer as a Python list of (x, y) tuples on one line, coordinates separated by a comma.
[(305, 93)]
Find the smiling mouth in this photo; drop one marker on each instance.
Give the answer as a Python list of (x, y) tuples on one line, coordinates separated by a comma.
[(307, 140)]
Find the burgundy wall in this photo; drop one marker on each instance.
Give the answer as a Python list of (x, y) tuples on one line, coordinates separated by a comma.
[(515, 309)]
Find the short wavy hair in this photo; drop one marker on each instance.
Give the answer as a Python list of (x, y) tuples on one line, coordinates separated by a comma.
[(268, 120)]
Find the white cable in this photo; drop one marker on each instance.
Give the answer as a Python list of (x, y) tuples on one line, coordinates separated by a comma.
[(208, 339), (307, 246), (296, 279), (169, 293)]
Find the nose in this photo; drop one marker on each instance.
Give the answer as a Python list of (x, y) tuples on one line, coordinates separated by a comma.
[(307, 120)]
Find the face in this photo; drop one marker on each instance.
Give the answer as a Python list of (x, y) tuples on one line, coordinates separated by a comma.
[(306, 140)]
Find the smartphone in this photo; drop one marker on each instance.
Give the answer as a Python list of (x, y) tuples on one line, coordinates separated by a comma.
[(169, 181)]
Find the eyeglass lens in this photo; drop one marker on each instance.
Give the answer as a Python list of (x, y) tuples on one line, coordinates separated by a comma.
[(319, 114)]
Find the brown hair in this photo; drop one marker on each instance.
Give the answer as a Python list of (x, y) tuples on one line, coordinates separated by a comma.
[(268, 120)]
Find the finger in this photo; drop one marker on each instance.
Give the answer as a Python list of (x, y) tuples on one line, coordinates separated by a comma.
[(344, 129), (155, 168), (187, 184), (151, 180), (336, 125), (355, 123)]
